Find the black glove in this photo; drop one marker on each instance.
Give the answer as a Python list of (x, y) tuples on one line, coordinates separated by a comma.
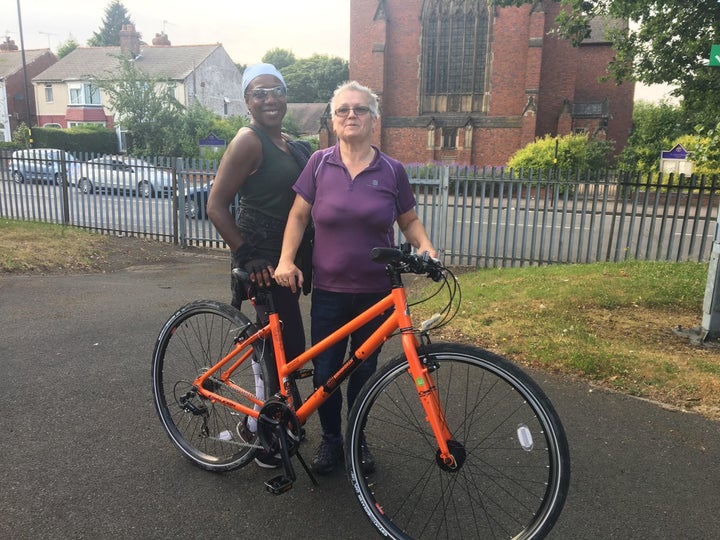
[(259, 272), (242, 255)]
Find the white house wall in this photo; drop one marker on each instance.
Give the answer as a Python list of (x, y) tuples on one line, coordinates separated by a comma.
[(214, 83), (5, 134)]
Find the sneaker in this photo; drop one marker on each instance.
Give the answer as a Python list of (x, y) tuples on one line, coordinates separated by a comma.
[(366, 458), (327, 456), (244, 432), (263, 459), (266, 460)]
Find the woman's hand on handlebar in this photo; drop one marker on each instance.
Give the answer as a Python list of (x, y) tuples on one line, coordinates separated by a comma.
[(288, 275), (260, 271)]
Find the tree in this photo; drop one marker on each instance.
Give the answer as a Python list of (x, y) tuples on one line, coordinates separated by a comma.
[(145, 109), (707, 153), (198, 122), (67, 47), (116, 16), (655, 126), (280, 58), (314, 79), (668, 42)]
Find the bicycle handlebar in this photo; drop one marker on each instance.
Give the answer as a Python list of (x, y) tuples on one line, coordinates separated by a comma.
[(399, 261), (402, 261)]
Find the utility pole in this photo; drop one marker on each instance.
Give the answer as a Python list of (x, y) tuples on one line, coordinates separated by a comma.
[(710, 328), (25, 76)]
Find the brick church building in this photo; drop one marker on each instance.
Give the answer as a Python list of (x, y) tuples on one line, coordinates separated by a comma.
[(462, 81)]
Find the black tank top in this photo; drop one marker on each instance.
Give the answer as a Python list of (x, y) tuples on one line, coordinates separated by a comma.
[(269, 189)]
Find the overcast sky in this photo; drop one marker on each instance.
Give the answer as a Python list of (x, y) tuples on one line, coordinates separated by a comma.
[(246, 28)]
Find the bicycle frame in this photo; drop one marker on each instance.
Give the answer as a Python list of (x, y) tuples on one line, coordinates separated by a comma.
[(398, 319)]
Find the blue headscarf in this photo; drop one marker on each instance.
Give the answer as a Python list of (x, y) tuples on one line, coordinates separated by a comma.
[(251, 72)]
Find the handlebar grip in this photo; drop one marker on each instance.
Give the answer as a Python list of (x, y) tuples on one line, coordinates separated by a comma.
[(385, 254)]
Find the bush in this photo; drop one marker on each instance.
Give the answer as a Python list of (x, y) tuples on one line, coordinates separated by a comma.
[(569, 152), (77, 140)]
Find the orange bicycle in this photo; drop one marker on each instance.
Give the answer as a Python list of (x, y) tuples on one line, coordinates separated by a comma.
[(466, 444)]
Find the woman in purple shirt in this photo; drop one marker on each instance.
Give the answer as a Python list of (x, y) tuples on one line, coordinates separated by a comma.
[(354, 194)]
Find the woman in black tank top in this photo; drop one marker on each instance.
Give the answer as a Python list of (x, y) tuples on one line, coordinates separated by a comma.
[(260, 165)]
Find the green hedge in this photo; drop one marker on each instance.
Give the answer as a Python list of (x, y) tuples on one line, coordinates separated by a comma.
[(77, 140)]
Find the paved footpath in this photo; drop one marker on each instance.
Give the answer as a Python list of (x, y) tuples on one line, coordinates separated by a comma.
[(83, 454)]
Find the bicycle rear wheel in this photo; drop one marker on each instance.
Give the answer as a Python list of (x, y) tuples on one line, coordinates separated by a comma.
[(515, 462), (209, 434)]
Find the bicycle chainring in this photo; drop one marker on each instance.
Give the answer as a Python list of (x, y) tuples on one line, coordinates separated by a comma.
[(276, 415)]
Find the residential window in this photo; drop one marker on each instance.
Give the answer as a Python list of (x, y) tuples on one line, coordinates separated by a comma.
[(75, 124), (49, 98), (454, 55), (84, 94)]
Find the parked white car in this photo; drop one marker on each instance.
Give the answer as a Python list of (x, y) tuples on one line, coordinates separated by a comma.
[(43, 164), (124, 174)]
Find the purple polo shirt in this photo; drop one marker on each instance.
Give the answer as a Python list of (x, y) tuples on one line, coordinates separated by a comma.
[(351, 217)]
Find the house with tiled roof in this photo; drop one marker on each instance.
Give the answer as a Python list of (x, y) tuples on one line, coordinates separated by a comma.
[(205, 75), (309, 118), (13, 94)]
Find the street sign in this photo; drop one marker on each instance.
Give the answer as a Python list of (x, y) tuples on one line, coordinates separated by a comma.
[(212, 140), (678, 152), (715, 55)]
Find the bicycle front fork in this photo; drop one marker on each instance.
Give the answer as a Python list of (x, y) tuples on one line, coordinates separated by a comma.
[(451, 454)]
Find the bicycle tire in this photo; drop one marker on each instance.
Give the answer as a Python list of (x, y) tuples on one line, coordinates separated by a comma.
[(516, 469), (194, 338)]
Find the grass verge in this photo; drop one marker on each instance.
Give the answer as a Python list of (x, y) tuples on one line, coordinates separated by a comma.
[(42, 247), (610, 323)]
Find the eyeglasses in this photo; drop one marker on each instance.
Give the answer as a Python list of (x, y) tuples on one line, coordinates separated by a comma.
[(261, 94), (342, 112)]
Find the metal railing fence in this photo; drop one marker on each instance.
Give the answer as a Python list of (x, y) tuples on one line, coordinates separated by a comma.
[(499, 218), (478, 217)]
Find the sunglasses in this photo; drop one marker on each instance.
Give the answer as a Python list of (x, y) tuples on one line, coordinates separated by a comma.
[(342, 112), (261, 94)]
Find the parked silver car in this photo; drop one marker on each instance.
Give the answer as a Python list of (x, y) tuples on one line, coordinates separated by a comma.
[(43, 164), (124, 174)]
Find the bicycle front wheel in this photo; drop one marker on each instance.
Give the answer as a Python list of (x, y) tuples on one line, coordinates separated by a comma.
[(514, 461), (196, 337)]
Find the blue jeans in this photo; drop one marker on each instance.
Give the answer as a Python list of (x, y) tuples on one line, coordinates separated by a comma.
[(330, 311)]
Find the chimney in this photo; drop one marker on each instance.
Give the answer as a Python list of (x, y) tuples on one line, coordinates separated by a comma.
[(9, 45), (129, 41), (161, 40)]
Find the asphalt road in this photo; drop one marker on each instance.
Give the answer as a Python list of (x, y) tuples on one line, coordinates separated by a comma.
[(83, 454)]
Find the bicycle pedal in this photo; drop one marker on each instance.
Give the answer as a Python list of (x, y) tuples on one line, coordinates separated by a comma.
[(278, 485), (303, 373)]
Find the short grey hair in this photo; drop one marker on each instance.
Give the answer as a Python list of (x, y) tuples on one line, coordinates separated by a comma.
[(357, 87)]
